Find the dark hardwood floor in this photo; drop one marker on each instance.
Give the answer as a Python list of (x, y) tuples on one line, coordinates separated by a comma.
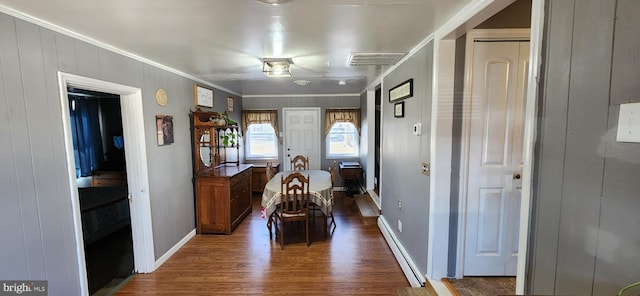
[(353, 260)]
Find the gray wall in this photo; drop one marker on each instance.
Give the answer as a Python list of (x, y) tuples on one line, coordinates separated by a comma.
[(402, 153), (37, 225), (516, 15), (585, 237), (312, 101)]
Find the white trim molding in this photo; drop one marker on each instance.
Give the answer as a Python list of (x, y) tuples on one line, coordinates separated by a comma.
[(175, 248), (530, 122), (302, 95), (409, 268), (441, 148)]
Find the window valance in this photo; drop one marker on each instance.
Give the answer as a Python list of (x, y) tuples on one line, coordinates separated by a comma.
[(250, 117), (332, 116)]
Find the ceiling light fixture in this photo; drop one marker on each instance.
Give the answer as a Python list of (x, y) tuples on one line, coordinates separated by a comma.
[(274, 2), (276, 67), (342, 82)]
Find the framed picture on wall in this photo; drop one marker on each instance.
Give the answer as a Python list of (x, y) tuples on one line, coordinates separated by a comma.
[(229, 104), (202, 96), (164, 129), (401, 91), (398, 109)]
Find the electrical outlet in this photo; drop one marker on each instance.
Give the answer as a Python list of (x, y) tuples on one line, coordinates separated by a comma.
[(426, 168), (399, 225)]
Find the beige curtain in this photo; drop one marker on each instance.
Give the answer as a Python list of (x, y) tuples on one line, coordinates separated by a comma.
[(250, 117), (332, 116)]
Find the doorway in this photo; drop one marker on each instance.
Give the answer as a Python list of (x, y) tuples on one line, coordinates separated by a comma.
[(492, 157), (136, 167), (302, 135), (377, 119), (96, 127)]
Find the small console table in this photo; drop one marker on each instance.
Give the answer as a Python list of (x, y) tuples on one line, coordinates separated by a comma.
[(350, 172)]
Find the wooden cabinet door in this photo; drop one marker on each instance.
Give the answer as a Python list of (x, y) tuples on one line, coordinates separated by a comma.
[(213, 207)]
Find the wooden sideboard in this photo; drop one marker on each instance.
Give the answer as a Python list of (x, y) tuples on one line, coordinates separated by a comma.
[(223, 198), (259, 175)]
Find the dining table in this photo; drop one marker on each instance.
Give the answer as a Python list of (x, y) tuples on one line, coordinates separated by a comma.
[(320, 190)]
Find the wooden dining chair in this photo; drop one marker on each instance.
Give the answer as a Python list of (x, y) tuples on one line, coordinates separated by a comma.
[(294, 204), (268, 169), (269, 174), (314, 207), (299, 163), (332, 171)]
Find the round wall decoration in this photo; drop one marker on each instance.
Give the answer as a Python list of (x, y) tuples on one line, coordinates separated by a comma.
[(161, 97)]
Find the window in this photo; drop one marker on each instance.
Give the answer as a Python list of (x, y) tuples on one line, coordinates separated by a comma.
[(342, 128), (342, 140), (261, 141), (259, 127)]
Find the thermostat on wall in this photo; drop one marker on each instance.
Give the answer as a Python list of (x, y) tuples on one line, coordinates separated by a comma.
[(629, 123), (417, 129)]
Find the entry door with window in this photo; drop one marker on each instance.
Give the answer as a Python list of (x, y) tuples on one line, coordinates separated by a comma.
[(302, 135), (495, 155)]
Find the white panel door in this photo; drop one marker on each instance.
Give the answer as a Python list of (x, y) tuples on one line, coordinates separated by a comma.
[(495, 157), (302, 136)]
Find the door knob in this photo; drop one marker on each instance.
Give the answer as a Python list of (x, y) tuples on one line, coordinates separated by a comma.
[(516, 176)]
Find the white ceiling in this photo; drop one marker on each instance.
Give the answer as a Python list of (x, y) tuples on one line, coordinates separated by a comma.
[(224, 41)]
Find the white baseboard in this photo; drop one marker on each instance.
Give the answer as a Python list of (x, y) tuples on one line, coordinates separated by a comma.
[(409, 268), (174, 249)]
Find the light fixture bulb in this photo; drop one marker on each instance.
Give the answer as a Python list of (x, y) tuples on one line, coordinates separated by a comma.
[(277, 67)]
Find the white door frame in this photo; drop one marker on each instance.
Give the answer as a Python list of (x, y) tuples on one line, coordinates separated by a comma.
[(137, 175), (286, 161), (465, 142), (444, 63)]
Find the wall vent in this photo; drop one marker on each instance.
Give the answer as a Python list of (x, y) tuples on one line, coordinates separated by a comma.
[(374, 58)]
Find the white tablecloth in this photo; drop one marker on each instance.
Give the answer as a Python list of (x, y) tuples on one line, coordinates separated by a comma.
[(320, 189)]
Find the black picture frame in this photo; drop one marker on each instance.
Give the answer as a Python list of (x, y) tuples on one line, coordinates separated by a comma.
[(401, 91), (398, 109)]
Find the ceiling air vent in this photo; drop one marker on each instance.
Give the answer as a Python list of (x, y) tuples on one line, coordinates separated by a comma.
[(374, 58)]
